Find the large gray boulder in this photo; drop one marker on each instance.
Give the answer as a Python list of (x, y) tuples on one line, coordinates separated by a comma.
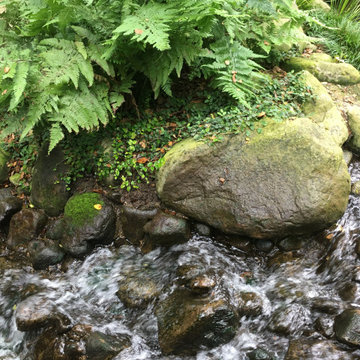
[(291, 179)]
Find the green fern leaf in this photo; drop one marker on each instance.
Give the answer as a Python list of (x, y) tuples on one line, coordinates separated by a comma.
[(56, 135), (149, 24), (87, 70), (22, 70)]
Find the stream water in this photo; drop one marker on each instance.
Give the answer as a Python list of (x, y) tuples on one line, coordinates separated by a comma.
[(86, 293)]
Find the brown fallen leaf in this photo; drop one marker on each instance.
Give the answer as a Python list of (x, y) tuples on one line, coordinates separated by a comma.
[(138, 31), (142, 160), (262, 114), (6, 69), (222, 180)]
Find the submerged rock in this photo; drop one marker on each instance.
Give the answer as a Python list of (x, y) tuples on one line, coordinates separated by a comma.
[(289, 320), (48, 191), (347, 327), (80, 343), (291, 179), (187, 324), (325, 69), (25, 226), (88, 220), (260, 354), (37, 312), (305, 349), (165, 230), (137, 292), (249, 304)]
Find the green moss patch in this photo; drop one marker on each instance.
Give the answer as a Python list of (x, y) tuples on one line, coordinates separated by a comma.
[(80, 208)]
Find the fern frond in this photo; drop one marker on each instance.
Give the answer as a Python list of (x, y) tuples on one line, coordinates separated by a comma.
[(56, 135), (22, 70), (149, 25)]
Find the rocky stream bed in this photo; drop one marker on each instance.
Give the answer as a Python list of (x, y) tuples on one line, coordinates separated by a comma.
[(277, 305)]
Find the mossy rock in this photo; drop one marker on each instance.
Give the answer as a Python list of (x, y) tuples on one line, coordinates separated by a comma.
[(354, 124), (328, 70), (48, 191), (290, 179), (322, 110), (4, 157), (88, 220), (314, 4)]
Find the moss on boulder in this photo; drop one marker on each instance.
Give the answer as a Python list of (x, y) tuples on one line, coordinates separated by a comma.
[(4, 157), (291, 179), (322, 110), (354, 123), (325, 69), (88, 220)]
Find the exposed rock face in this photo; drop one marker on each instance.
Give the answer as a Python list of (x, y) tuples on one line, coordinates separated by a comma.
[(48, 191), (347, 327), (88, 220), (9, 205), (45, 252), (291, 179), (165, 230), (354, 123), (36, 312), (187, 323), (133, 221), (249, 304), (323, 111), (24, 226), (325, 69)]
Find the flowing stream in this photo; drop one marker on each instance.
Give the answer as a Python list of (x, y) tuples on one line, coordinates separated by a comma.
[(86, 292)]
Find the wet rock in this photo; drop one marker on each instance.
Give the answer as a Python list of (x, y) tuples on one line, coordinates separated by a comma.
[(348, 155), (88, 220), (347, 327), (80, 343), (202, 229), (44, 252), (322, 110), (325, 69), (325, 326), (326, 305), (275, 165), (289, 320), (305, 349), (264, 245), (25, 226), (36, 312), (241, 243), (281, 258), (249, 304), (137, 291), (290, 243), (354, 123), (4, 170), (187, 324), (348, 291), (166, 230), (356, 275), (9, 205), (133, 221), (260, 354), (48, 191), (357, 247), (202, 284), (355, 188)]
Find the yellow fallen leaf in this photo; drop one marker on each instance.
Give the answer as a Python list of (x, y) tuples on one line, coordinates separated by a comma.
[(14, 307), (31, 206), (97, 206)]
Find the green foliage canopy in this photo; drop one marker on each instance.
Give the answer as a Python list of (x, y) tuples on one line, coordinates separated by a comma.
[(67, 64)]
